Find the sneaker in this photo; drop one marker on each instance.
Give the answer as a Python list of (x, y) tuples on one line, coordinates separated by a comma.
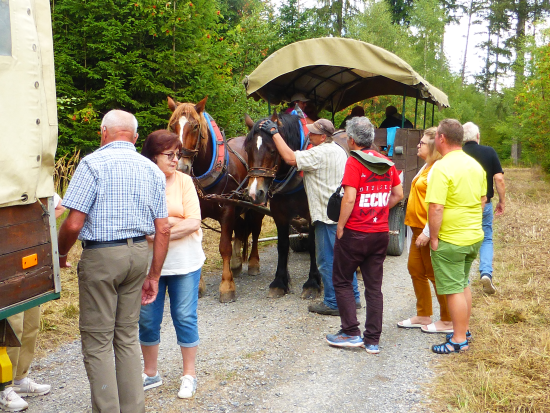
[(488, 286), (372, 348), (188, 387), (322, 308), (11, 401), (343, 340), (27, 387), (151, 382)]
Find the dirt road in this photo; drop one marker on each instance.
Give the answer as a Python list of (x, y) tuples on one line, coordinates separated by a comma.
[(260, 354)]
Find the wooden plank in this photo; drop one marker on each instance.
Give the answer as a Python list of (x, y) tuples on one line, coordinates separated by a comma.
[(11, 263), (380, 137), (19, 214), (21, 236), (31, 284)]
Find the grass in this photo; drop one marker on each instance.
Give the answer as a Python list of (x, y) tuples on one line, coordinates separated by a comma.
[(507, 368), (59, 321)]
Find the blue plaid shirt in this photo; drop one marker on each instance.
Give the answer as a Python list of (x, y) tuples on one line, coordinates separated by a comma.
[(121, 191)]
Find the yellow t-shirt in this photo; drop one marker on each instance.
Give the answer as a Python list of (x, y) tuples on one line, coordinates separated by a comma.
[(417, 213), (458, 182)]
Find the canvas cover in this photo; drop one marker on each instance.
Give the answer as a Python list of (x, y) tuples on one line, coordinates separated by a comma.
[(28, 111), (335, 73)]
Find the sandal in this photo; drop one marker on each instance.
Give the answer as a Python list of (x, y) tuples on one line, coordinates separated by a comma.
[(468, 336), (450, 347)]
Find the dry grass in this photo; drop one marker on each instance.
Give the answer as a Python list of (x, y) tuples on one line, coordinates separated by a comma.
[(507, 368), (64, 170), (59, 322)]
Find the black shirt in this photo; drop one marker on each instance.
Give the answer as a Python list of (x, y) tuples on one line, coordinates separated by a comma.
[(395, 120), (488, 159)]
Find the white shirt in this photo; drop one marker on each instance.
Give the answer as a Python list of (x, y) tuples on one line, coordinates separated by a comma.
[(323, 168)]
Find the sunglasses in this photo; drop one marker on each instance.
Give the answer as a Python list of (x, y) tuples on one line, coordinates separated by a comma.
[(172, 155)]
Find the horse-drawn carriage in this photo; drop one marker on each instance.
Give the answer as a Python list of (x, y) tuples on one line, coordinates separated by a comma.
[(335, 73)]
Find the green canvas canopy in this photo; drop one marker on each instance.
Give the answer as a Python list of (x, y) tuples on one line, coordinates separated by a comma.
[(335, 73)]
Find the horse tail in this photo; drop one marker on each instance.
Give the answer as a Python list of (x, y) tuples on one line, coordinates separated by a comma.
[(247, 230)]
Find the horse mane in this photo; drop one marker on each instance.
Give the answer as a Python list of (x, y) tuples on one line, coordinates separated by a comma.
[(188, 110), (290, 131)]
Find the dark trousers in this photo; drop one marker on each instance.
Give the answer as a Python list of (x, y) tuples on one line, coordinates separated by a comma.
[(368, 252)]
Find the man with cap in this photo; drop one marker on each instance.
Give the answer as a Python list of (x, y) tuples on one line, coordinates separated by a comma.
[(323, 167), (297, 99)]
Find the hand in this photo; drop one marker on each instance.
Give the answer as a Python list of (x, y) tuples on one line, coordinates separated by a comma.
[(421, 241), (63, 263), (434, 243), (269, 126), (499, 210), (150, 238), (149, 290), (339, 232)]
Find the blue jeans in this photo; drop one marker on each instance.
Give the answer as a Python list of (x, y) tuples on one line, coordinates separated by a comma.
[(184, 296), (486, 250), (325, 235)]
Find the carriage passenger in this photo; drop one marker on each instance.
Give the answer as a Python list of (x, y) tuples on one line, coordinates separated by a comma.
[(371, 187), (323, 167), (181, 272)]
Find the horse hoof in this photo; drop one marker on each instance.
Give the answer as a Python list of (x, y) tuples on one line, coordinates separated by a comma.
[(227, 297), (236, 264), (237, 271), (253, 271), (276, 293), (310, 294)]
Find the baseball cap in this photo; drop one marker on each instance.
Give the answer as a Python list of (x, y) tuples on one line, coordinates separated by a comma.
[(321, 127), (300, 97)]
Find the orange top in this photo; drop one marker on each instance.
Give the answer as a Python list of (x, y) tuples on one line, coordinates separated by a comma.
[(182, 198), (417, 211)]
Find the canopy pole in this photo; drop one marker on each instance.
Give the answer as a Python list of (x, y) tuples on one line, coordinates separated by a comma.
[(433, 110), (425, 107), (403, 111), (332, 108), (268, 107), (416, 108)]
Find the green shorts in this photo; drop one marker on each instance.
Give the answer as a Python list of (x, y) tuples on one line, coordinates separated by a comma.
[(451, 265)]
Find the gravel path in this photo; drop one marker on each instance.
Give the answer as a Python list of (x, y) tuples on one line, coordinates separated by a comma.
[(260, 354)]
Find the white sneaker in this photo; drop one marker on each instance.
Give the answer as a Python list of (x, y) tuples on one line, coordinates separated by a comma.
[(10, 401), (188, 387), (27, 387)]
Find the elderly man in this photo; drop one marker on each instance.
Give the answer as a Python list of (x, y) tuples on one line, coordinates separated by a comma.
[(455, 197), (488, 159), (116, 198), (323, 167), (371, 187)]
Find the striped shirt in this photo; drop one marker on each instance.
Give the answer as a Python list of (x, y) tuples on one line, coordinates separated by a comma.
[(121, 191), (323, 168)]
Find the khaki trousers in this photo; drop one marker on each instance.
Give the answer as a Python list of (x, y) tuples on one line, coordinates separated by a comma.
[(422, 273), (26, 326), (109, 282)]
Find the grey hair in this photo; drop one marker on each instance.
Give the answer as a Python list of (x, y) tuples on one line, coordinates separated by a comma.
[(120, 119), (471, 131), (361, 130)]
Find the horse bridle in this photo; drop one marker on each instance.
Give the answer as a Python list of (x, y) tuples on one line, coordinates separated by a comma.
[(261, 172), (191, 153)]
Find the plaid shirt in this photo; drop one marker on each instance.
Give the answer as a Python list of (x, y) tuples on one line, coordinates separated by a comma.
[(121, 192)]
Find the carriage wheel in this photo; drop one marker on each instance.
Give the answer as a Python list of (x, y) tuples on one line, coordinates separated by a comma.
[(298, 244), (397, 226)]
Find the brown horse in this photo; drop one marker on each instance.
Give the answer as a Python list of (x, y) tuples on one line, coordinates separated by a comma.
[(218, 167), (288, 197)]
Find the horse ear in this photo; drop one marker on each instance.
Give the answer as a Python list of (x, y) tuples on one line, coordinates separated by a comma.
[(199, 107), (274, 116), (249, 122), (171, 104)]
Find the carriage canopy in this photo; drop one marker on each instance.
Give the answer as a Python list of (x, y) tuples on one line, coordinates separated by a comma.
[(335, 73)]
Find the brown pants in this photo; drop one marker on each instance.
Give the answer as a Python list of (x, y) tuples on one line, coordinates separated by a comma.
[(368, 252), (422, 272), (109, 282), (26, 326)]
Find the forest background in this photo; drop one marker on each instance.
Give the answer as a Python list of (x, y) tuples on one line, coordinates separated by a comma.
[(132, 55)]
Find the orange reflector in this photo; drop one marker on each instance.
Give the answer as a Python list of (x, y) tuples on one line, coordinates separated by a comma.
[(30, 261)]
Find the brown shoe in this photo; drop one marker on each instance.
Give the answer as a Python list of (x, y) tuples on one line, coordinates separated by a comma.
[(321, 308)]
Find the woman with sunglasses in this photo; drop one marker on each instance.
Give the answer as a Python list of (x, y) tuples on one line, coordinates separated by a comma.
[(420, 264), (181, 272)]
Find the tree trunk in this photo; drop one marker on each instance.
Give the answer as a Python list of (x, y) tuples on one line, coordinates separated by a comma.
[(519, 65), (470, 11)]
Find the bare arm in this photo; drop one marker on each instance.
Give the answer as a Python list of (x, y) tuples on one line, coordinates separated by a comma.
[(435, 218), (284, 150), (184, 228), (395, 196), (501, 190), (483, 202), (348, 201), (68, 234), (160, 247)]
